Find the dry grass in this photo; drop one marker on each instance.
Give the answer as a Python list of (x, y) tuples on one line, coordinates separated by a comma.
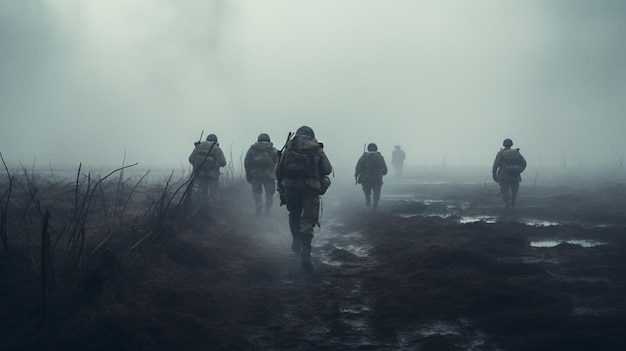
[(99, 251)]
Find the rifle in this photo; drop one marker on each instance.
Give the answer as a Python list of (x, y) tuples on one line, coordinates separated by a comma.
[(280, 152), (196, 143), (279, 186)]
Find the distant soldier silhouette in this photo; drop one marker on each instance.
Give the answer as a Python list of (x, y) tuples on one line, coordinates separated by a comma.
[(302, 172), (207, 158), (397, 160), (369, 172), (260, 164), (506, 171)]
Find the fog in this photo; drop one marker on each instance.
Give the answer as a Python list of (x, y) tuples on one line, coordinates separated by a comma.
[(97, 81)]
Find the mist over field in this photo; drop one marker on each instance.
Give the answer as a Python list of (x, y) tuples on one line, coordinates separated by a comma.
[(97, 256), (94, 82)]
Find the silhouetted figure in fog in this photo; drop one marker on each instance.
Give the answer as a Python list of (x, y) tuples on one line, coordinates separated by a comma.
[(260, 164), (302, 173), (397, 160), (369, 172), (207, 158), (507, 169)]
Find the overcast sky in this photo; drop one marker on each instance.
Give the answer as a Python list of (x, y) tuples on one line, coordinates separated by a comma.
[(87, 81)]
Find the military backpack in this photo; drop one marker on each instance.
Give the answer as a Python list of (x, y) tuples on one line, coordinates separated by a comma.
[(373, 163), (263, 159), (300, 163), (512, 162)]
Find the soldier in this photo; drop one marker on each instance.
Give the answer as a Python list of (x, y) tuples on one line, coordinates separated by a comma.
[(259, 164), (207, 158), (369, 172), (302, 172), (506, 171), (397, 160)]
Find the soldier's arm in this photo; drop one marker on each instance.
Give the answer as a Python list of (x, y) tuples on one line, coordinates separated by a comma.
[(222, 161), (192, 156), (383, 166), (359, 166), (247, 160), (496, 165), (325, 167)]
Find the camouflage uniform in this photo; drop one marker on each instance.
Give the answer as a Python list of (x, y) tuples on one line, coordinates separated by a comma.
[(302, 194), (207, 158), (397, 160), (508, 181), (369, 172), (259, 164)]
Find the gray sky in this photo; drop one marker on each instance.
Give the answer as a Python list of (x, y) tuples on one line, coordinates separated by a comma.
[(87, 81)]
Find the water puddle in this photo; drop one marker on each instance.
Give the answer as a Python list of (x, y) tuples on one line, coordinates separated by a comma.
[(429, 203), (481, 218), (407, 215), (337, 250), (538, 222), (555, 242), (474, 219)]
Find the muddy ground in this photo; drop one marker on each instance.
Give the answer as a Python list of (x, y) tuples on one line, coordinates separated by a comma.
[(439, 266)]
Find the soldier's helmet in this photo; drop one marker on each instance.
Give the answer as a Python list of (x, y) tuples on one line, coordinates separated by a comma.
[(397, 147), (211, 137), (263, 137), (372, 147), (304, 130), (507, 142)]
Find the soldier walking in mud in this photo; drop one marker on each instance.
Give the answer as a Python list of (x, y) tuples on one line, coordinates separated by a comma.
[(260, 164), (506, 171), (302, 172), (207, 158), (369, 172), (397, 160)]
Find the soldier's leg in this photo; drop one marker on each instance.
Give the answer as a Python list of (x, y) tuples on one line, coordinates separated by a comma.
[(202, 184), (367, 191), (305, 256), (504, 190), (270, 189), (257, 194), (514, 191), (376, 190), (310, 218), (214, 188), (294, 206)]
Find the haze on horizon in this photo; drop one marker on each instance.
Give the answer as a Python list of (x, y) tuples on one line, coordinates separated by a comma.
[(92, 81)]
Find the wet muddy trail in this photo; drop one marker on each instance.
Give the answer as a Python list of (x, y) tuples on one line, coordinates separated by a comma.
[(437, 267), (448, 269)]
